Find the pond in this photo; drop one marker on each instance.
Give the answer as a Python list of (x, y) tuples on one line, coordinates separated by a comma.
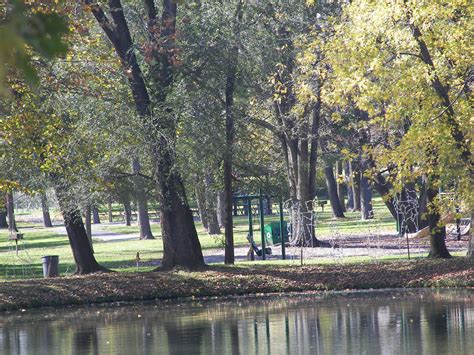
[(364, 322)]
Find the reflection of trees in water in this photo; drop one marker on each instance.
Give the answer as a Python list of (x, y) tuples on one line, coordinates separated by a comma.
[(85, 338), (357, 324)]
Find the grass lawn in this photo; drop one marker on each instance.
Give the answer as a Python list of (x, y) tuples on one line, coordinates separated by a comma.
[(120, 255)]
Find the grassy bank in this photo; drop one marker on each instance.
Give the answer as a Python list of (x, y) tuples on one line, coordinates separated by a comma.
[(223, 281)]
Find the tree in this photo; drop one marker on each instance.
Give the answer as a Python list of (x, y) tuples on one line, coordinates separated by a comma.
[(45, 209), (400, 48), (180, 242), (27, 29)]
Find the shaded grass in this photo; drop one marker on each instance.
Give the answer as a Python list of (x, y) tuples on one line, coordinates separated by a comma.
[(120, 255)]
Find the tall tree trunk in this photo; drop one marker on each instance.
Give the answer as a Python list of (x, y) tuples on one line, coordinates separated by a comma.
[(332, 191), (110, 210), (142, 205), (88, 215), (229, 142), (11, 213), (367, 211), (81, 248), (340, 185), (229, 137), (437, 233), (127, 210), (355, 172), (45, 208), (349, 184), (95, 214)]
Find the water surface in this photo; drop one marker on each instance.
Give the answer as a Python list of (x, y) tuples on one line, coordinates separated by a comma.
[(371, 322)]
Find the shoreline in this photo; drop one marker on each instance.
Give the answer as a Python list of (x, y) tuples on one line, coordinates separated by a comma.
[(223, 281)]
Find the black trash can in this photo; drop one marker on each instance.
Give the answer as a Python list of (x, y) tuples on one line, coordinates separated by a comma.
[(50, 265)]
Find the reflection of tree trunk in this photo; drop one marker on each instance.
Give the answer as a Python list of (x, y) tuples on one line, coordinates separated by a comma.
[(350, 191), (85, 339), (142, 206), (127, 210), (88, 213), (366, 199), (109, 207), (95, 214), (45, 209), (340, 185), (332, 191), (234, 337), (11, 213), (437, 233)]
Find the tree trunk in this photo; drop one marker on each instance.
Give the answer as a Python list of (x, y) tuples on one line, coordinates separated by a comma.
[(210, 205), (340, 185), (201, 204), (229, 138), (88, 214), (268, 206), (367, 211), (423, 202), (437, 233), (110, 210), (95, 214), (220, 209), (142, 205), (355, 170), (81, 248), (45, 208), (470, 252), (383, 188), (181, 246), (127, 210), (3, 219), (332, 192), (11, 213), (350, 190)]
